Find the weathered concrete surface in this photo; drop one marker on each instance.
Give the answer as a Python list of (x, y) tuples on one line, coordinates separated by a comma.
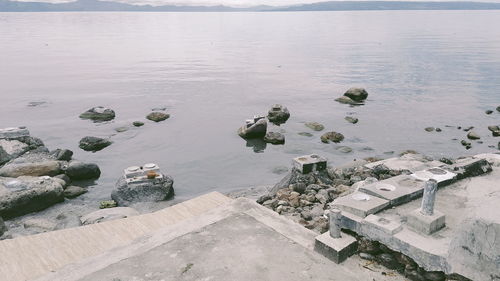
[(409, 162), (469, 244), (238, 241)]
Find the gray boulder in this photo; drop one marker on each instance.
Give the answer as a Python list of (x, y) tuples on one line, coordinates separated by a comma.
[(332, 136), (274, 138), (98, 113), (10, 149), (94, 143), (147, 190), (82, 171), (356, 94), (157, 116), (74, 191), (31, 164), (256, 130), (108, 215), (23, 195), (62, 154), (278, 114)]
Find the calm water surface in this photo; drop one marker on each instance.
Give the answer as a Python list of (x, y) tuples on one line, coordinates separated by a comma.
[(214, 70)]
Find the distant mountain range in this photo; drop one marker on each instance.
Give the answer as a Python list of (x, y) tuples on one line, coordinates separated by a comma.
[(102, 6)]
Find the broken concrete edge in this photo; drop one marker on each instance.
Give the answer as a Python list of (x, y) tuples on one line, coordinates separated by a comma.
[(285, 227), (336, 249)]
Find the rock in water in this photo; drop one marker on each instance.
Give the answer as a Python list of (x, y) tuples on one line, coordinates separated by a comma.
[(157, 116), (315, 126), (74, 191), (473, 136), (489, 111), (23, 195), (347, 100), (498, 108), (94, 143), (429, 129), (356, 94), (142, 190), (255, 130), (62, 154), (138, 123), (98, 113), (274, 138), (278, 114), (82, 171), (332, 136), (108, 215), (352, 120)]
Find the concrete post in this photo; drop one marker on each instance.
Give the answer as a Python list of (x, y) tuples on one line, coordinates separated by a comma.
[(429, 197), (335, 216)]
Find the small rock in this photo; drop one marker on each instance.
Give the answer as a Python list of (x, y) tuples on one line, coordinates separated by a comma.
[(41, 225), (489, 111), (274, 138), (367, 256), (299, 187), (429, 129), (498, 108), (82, 171), (98, 113), (108, 214), (344, 149), (468, 128), (157, 116), (315, 126), (352, 120), (305, 134), (473, 136), (356, 94), (93, 143), (446, 161), (332, 136), (74, 191), (493, 128), (388, 261), (257, 130), (62, 154), (347, 100), (121, 129), (107, 204), (138, 123), (465, 143), (438, 130), (278, 114)]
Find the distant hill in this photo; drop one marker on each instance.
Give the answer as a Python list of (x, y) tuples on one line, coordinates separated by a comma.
[(102, 6)]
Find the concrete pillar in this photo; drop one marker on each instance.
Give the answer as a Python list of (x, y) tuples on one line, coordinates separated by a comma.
[(335, 216), (429, 197)]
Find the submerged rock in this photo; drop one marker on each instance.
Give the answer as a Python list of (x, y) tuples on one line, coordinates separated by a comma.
[(274, 138), (255, 130), (157, 116), (278, 114), (489, 111), (473, 136), (344, 149), (347, 100), (305, 134), (94, 143), (138, 123), (82, 171), (98, 113), (108, 215), (121, 129), (356, 94), (352, 120), (315, 126), (332, 136), (23, 195), (429, 129), (74, 191)]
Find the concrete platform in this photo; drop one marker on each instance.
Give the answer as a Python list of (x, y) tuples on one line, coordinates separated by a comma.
[(360, 204), (397, 190), (238, 241), (336, 249), (409, 162)]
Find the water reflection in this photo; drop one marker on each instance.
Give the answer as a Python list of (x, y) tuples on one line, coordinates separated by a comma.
[(257, 145)]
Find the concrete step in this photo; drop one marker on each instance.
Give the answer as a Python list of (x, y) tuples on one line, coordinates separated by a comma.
[(28, 257)]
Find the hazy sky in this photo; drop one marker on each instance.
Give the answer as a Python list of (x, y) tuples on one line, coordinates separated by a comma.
[(234, 2)]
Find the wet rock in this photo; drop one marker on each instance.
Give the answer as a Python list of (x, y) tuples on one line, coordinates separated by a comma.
[(493, 128), (138, 123), (148, 190), (98, 113), (108, 215), (367, 256), (466, 144), (121, 129), (23, 195), (332, 136), (438, 130), (257, 130), (305, 134), (107, 204), (64, 178), (74, 191), (352, 120), (62, 154), (344, 149), (429, 129), (489, 111), (347, 100), (473, 136), (3, 227), (356, 94), (82, 171), (315, 126), (39, 225), (388, 261), (94, 143), (274, 138), (278, 114), (10, 149), (31, 165), (157, 116)]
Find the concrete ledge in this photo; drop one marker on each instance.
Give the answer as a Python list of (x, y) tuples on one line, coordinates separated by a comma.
[(426, 224), (360, 204), (336, 249), (390, 227)]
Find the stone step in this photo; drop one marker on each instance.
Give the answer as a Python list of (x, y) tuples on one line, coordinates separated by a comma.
[(28, 257)]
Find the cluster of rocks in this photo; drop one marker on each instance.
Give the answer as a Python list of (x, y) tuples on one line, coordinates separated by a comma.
[(377, 252), (353, 96), (256, 128), (33, 178)]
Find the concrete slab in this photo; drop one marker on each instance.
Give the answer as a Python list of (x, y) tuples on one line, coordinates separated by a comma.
[(388, 226), (426, 224), (441, 176), (469, 167), (309, 163), (410, 162), (397, 190), (360, 204), (336, 249)]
